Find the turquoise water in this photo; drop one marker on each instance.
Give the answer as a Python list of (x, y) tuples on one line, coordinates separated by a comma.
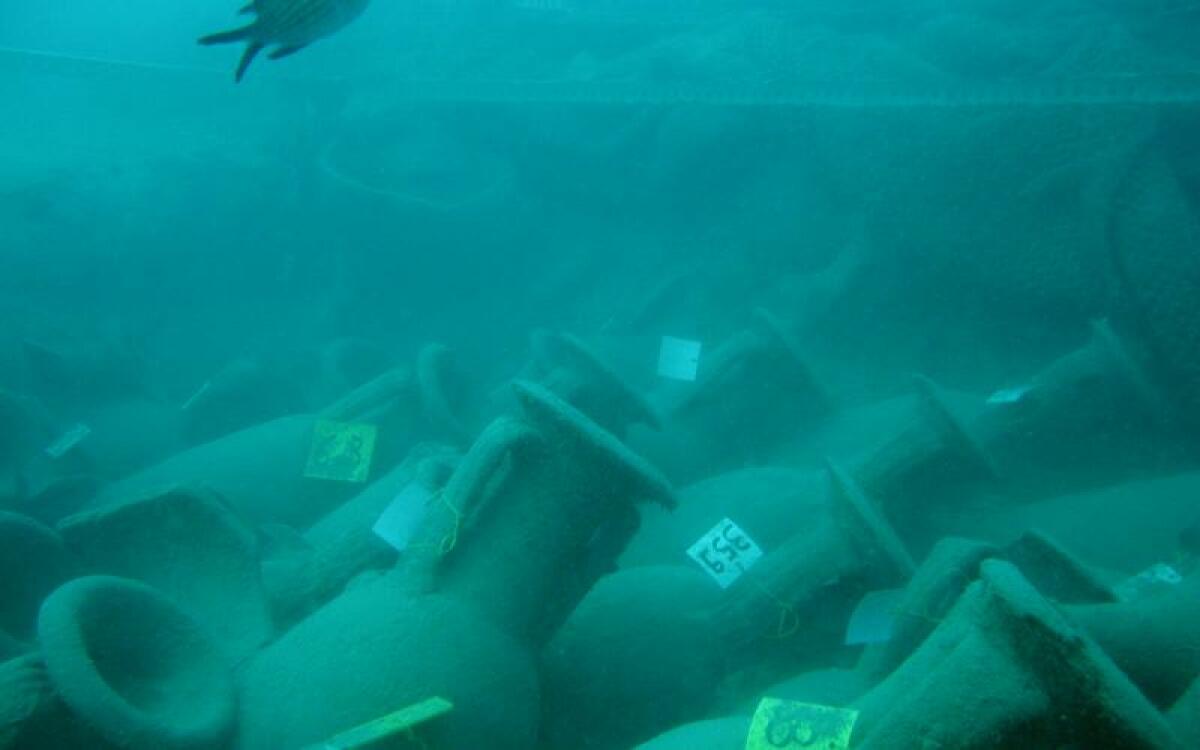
[(763, 271)]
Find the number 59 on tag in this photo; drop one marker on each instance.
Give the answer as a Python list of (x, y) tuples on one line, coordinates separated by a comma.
[(725, 552)]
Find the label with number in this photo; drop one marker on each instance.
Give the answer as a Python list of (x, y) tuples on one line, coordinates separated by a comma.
[(781, 724), (725, 552), (1155, 578), (678, 359), (399, 521), (341, 451)]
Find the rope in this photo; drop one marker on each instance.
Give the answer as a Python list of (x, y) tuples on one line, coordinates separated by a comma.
[(1108, 90), (450, 541), (328, 167), (87, 61), (789, 619), (1114, 89)]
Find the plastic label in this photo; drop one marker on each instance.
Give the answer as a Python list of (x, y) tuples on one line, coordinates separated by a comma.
[(725, 552), (399, 521), (1008, 395), (397, 722), (788, 724), (678, 359), (1161, 573), (68, 440), (874, 618), (1157, 576), (341, 451)]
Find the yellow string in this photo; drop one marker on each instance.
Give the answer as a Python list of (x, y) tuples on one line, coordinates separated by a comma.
[(450, 540), (784, 610), (789, 618)]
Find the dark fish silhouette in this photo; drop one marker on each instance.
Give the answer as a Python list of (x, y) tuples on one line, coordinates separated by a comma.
[(290, 25)]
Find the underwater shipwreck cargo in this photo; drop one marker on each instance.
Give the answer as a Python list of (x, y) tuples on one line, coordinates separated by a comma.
[(105, 386), (639, 647), (1155, 640), (752, 392), (933, 589), (117, 665), (261, 471), (852, 548), (193, 549), (248, 391), (1004, 668), (1089, 404), (50, 465), (1134, 642), (1094, 417), (769, 503), (343, 544), (949, 568), (1122, 406), (515, 539), (233, 599), (569, 368), (786, 611), (790, 610), (242, 393)]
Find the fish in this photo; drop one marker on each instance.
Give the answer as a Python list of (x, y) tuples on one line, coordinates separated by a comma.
[(288, 25)]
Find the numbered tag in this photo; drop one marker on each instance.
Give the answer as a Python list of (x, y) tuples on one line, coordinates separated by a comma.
[(399, 521), (68, 440), (1008, 395), (678, 359), (725, 552), (780, 724), (1161, 573), (1155, 578), (374, 733), (874, 618), (341, 451)]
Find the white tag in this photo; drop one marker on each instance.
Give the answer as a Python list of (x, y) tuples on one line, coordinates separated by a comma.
[(678, 359), (1008, 395), (399, 521), (874, 617), (1160, 573), (1157, 576), (725, 552), (68, 440)]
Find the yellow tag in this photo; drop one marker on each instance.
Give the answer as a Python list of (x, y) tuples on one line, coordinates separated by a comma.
[(789, 724), (397, 722), (341, 450)]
